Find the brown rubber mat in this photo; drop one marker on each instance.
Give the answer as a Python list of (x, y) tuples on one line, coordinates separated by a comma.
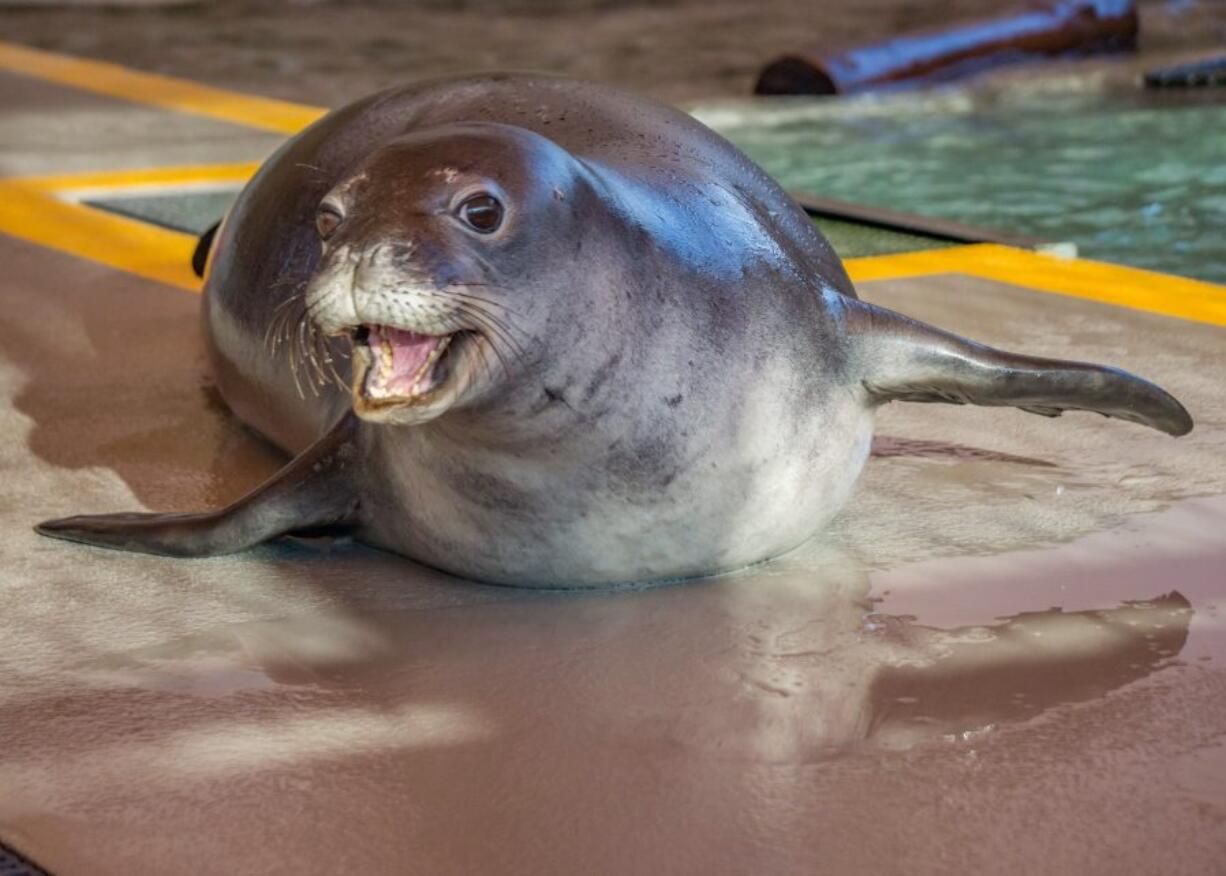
[(195, 716)]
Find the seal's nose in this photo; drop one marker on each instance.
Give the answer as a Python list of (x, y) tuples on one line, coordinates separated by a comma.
[(387, 267)]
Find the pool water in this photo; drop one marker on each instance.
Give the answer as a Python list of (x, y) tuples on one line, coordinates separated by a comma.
[(1128, 176)]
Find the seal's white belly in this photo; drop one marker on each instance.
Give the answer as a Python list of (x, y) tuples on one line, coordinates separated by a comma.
[(754, 497)]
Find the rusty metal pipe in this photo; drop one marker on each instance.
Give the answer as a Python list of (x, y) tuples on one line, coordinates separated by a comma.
[(1065, 27)]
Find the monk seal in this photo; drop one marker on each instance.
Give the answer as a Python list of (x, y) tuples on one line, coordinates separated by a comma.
[(585, 341)]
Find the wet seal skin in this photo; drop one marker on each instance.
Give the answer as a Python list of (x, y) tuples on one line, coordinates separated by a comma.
[(542, 332)]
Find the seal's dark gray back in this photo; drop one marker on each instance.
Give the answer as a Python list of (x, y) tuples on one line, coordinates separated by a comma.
[(672, 156), (660, 147), (689, 188)]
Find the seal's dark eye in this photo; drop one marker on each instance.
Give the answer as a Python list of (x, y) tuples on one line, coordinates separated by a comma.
[(327, 220), (482, 213)]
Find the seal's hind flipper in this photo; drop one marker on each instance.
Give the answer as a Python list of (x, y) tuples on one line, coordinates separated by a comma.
[(900, 359), (315, 493)]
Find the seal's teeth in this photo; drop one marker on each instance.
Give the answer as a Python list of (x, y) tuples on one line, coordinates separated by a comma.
[(391, 353), (426, 366), (384, 370)]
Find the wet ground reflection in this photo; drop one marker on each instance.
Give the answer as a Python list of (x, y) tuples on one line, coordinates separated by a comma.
[(765, 721), (788, 663)]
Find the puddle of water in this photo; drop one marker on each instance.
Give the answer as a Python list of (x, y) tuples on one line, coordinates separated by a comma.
[(1181, 550)]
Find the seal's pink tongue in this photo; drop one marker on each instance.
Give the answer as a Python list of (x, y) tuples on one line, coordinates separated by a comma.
[(399, 356)]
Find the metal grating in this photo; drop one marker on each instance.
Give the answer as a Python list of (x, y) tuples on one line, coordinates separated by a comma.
[(14, 864)]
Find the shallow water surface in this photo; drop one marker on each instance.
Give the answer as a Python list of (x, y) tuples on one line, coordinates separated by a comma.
[(1127, 176)]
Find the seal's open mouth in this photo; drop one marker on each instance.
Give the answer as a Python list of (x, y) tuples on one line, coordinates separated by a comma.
[(397, 366)]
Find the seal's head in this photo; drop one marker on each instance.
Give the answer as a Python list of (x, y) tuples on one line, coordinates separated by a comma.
[(431, 254)]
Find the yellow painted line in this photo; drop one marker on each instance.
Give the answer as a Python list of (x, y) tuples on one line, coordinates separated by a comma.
[(153, 177), (909, 264), (180, 95), (1136, 288), (41, 209), (36, 214)]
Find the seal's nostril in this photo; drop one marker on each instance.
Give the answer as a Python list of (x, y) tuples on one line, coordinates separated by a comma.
[(370, 256), (387, 252), (400, 252)]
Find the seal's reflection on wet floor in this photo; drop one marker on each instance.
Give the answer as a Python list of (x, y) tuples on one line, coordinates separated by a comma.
[(785, 663)]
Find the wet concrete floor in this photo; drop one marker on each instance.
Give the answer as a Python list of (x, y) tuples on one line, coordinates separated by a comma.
[(1007, 656)]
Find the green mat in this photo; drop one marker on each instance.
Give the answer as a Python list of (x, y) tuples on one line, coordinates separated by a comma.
[(195, 212)]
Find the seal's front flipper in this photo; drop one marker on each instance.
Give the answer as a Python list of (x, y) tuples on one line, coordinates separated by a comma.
[(200, 255), (900, 359), (315, 493)]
